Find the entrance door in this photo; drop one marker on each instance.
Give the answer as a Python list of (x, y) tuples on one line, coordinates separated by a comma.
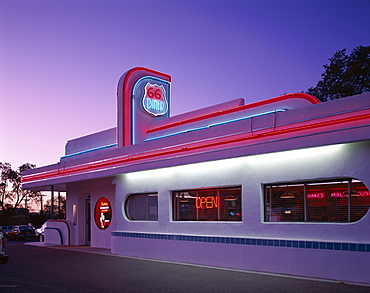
[(87, 222)]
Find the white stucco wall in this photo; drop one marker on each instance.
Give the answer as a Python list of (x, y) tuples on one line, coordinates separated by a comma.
[(321, 250), (77, 194), (58, 232), (344, 160)]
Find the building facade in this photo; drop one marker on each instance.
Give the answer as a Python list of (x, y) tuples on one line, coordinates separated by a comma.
[(278, 186)]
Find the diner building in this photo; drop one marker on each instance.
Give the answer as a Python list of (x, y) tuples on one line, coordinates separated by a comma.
[(276, 186)]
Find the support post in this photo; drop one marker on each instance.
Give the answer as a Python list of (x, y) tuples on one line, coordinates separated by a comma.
[(59, 208), (52, 203)]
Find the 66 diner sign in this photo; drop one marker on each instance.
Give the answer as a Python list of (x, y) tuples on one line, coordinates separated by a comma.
[(154, 99)]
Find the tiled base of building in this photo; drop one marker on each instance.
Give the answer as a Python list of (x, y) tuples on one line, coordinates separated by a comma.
[(316, 259)]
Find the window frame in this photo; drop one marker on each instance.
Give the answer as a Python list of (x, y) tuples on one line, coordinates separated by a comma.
[(267, 190), (136, 195), (198, 204)]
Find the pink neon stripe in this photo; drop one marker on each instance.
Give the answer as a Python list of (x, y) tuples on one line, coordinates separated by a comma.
[(201, 112), (192, 147), (303, 96)]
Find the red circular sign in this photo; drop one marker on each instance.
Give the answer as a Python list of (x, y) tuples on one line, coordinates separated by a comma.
[(103, 213)]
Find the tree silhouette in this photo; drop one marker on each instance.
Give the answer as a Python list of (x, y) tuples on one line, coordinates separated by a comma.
[(11, 192), (345, 75)]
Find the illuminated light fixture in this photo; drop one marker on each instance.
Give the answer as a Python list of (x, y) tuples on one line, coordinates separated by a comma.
[(292, 155), (353, 193), (184, 198), (182, 170), (287, 194), (230, 197)]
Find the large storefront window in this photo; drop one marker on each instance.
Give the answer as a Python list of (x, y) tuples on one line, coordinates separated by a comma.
[(327, 201), (214, 204), (142, 207)]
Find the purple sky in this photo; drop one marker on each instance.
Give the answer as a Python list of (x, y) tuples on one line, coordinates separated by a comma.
[(60, 60)]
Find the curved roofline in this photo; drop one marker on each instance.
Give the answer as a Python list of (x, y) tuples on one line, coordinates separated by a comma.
[(302, 96)]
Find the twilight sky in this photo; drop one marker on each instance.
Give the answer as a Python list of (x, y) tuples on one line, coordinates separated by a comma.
[(60, 60)]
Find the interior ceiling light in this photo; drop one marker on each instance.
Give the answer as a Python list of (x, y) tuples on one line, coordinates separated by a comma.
[(230, 197), (287, 194), (353, 193)]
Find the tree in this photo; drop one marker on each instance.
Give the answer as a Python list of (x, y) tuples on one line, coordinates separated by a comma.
[(345, 75), (59, 206), (18, 193), (11, 192), (6, 174)]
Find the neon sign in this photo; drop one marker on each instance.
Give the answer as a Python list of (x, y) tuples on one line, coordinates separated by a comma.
[(206, 202), (343, 194), (316, 195), (154, 99), (338, 194), (103, 213), (364, 193)]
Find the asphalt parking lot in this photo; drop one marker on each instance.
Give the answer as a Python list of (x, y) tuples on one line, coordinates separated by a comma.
[(34, 268)]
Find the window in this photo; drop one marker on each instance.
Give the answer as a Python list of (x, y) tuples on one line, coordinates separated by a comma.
[(142, 207), (345, 200), (213, 204)]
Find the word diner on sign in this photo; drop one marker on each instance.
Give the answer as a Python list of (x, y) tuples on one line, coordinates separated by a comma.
[(154, 99), (206, 202)]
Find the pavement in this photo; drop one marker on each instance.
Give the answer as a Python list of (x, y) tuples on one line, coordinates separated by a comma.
[(81, 248), (107, 251), (43, 267)]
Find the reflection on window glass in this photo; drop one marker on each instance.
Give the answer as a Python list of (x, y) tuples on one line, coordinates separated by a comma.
[(215, 204), (330, 201), (142, 207)]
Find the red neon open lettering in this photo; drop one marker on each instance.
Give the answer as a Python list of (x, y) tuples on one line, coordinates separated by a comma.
[(206, 202)]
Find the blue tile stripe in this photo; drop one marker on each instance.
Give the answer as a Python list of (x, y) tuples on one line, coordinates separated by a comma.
[(360, 247)]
